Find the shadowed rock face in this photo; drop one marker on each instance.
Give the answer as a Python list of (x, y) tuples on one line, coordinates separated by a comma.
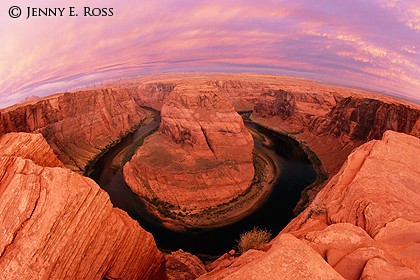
[(276, 103), (367, 119), (201, 156), (183, 265), (57, 224), (334, 122), (364, 224)]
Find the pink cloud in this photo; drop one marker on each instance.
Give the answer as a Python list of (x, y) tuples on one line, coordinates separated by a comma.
[(375, 44)]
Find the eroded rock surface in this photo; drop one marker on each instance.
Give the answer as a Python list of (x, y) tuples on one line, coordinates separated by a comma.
[(366, 119), (30, 146), (363, 225), (200, 157), (182, 265), (287, 258), (77, 125), (57, 224), (369, 211)]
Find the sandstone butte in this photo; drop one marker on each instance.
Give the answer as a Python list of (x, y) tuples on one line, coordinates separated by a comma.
[(57, 224), (202, 155), (363, 220)]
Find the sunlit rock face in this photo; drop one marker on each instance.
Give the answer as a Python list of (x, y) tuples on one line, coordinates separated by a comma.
[(364, 223), (77, 125), (57, 224), (200, 157)]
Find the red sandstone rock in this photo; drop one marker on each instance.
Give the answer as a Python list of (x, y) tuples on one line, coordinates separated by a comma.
[(241, 92), (364, 223), (367, 119), (57, 224), (276, 103), (181, 265), (201, 156), (30, 146), (152, 94), (366, 218), (77, 125), (288, 258)]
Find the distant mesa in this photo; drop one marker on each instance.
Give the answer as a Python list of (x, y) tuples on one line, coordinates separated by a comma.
[(30, 98)]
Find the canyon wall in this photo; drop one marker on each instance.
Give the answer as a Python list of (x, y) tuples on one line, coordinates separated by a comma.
[(202, 155), (365, 119), (57, 224), (333, 123), (80, 125), (77, 125), (152, 94), (363, 225)]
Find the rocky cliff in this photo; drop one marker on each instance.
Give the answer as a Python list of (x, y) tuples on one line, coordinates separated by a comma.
[(201, 157), (276, 103), (30, 146), (77, 125), (363, 225), (334, 122), (151, 94), (57, 224), (242, 93), (366, 119)]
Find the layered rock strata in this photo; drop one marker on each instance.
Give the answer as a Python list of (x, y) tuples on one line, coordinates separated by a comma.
[(363, 225), (365, 119), (202, 155), (30, 146), (57, 224), (333, 124), (77, 125)]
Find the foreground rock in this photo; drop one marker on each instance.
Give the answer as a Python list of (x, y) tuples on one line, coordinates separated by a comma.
[(57, 224), (182, 265), (287, 258), (364, 224), (201, 157), (30, 146), (378, 192)]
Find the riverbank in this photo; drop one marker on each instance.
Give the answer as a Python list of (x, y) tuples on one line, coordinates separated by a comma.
[(309, 193), (174, 218), (118, 161), (274, 206)]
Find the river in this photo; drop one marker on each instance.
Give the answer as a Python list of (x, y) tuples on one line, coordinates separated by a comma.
[(296, 173)]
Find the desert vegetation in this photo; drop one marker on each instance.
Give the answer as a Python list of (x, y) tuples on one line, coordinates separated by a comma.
[(253, 239)]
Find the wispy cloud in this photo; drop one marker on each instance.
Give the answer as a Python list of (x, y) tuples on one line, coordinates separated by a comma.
[(375, 43)]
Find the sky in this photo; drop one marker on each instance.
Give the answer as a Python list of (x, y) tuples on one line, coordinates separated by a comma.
[(373, 44)]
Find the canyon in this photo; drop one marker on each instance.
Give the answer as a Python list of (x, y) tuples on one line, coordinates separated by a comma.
[(362, 225), (201, 156), (359, 220)]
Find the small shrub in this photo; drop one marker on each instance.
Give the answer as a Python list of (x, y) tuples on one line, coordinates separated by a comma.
[(253, 239)]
